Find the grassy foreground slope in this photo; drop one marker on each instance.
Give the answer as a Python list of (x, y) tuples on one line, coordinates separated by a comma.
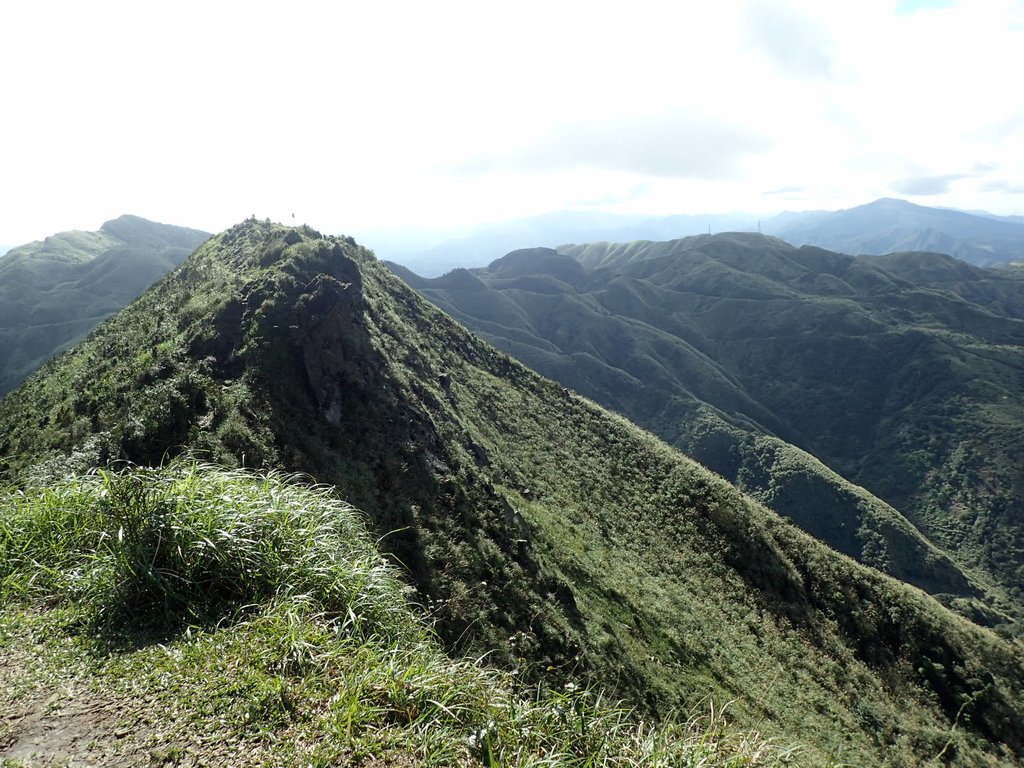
[(562, 540), (54, 291), (200, 616), (902, 374)]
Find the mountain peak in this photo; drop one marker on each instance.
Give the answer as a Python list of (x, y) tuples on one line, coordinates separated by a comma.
[(887, 202), (533, 261), (889, 225), (55, 290), (135, 230), (125, 219)]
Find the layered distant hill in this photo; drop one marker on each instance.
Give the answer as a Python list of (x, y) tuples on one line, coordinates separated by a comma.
[(541, 531), (865, 398), (433, 253), (54, 291), (883, 226), (890, 226)]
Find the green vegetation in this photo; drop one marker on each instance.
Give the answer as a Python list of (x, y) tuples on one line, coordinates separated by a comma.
[(53, 292), (185, 545), (250, 620), (560, 543), (766, 362)]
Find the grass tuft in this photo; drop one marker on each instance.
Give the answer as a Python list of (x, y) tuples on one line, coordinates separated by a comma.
[(192, 543)]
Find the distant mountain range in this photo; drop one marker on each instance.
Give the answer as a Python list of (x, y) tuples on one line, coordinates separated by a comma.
[(54, 291), (880, 227), (891, 226), (805, 377), (431, 254)]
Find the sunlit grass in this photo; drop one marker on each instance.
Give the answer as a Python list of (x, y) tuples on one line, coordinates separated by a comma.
[(188, 542), (285, 633)]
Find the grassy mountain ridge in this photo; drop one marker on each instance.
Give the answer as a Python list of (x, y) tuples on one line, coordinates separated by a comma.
[(884, 375), (627, 350), (434, 253), (562, 539), (881, 226), (53, 291)]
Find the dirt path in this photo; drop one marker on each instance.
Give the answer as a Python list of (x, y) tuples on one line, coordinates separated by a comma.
[(68, 717), (68, 728), (60, 720)]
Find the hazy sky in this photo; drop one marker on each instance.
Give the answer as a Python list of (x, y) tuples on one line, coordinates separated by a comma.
[(385, 114)]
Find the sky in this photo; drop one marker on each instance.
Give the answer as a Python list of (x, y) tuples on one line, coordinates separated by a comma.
[(401, 115)]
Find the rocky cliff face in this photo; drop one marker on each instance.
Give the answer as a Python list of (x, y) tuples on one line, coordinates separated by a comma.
[(330, 335)]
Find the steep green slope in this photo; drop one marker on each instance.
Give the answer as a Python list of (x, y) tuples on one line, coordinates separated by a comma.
[(562, 539), (903, 374), (54, 291)]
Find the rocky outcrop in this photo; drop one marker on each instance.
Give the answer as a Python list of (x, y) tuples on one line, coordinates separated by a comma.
[(332, 337)]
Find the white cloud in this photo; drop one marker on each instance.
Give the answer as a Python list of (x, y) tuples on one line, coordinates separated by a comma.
[(368, 114), (681, 144), (926, 186), (797, 43)]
